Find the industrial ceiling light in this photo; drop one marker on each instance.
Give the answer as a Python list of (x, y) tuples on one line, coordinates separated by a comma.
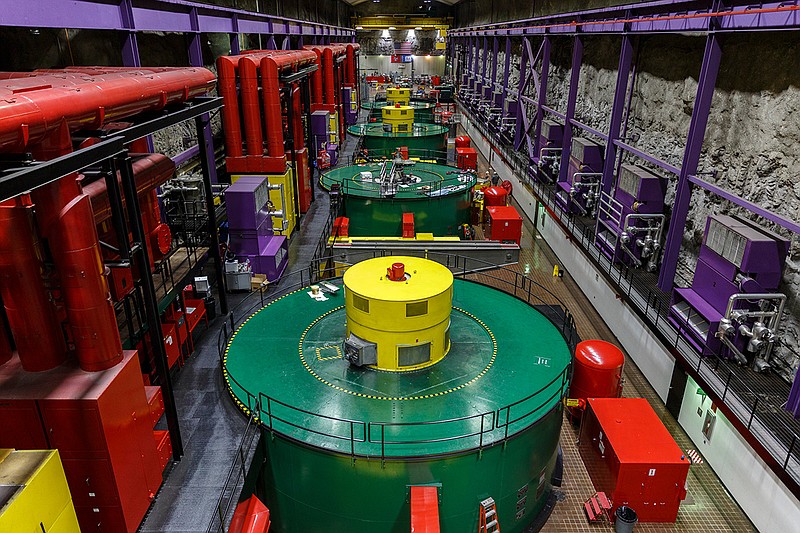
[(418, 28), (359, 27), (392, 28)]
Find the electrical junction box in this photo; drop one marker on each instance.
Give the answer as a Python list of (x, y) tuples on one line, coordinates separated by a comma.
[(360, 352), (631, 456)]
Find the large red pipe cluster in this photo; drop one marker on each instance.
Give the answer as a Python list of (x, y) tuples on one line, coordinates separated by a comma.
[(256, 68), (326, 86), (38, 113)]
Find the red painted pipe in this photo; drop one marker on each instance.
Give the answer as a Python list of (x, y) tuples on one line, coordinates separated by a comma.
[(31, 312), (271, 67), (33, 105), (316, 79), (251, 112), (297, 116), (5, 342), (328, 76), (226, 70)]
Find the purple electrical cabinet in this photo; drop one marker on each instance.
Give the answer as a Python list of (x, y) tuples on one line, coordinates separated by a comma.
[(549, 156), (320, 125), (579, 191), (732, 308), (630, 224), (349, 105), (250, 227)]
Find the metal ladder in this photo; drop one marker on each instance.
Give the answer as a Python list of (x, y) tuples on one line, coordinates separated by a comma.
[(488, 517)]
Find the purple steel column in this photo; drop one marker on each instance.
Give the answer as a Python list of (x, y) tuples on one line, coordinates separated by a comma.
[(485, 60), (494, 61), (286, 44), (506, 75), (542, 96), (617, 109), (793, 403), (130, 48), (236, 48), (572, 100), (523, 77), (691, 158), (476, 56)]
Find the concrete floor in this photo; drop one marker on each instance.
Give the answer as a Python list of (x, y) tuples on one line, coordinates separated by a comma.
[(212, 426)]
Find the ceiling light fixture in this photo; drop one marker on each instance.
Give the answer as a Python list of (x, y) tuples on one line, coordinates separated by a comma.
[(392, 28)]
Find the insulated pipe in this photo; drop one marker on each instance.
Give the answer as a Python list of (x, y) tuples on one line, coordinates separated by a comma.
[(226, 70), (251, 111), (32, 106), (5, 343), (31, 312), (150, 170), (328, 76), (65, 219), (271, 67), (316, 79), (297, 117)]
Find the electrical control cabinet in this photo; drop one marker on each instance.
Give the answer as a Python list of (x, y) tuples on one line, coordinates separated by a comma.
[(631, 456)]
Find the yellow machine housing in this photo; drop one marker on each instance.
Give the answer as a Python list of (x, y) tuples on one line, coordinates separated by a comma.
[(400, 118), (333, 128), (41, 501), (407, 320), (398, 95), (282, 197)]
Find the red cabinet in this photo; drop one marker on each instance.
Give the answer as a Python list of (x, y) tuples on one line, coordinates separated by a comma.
[(631, 456), (505, 224), (102, 426)]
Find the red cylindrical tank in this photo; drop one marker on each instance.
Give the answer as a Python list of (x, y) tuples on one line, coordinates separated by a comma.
[(436, 81), (462, 141), (494, 196), (597, 373)]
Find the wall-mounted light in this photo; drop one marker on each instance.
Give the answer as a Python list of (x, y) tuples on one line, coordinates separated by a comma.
[(392, 28), (418, 28), (359, 27)]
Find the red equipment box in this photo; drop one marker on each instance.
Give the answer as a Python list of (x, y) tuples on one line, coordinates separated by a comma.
[(155, 400), (100, 423), (505, 224), (462, 141), (408, 226), (631, 456), (467, 158)]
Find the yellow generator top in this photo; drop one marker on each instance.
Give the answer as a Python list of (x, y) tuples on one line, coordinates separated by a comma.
[(398, 95), (399, 117), (398, 312)]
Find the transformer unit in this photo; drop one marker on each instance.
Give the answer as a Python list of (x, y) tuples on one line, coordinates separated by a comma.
[(630, 223), (579, 192), (732, 308)]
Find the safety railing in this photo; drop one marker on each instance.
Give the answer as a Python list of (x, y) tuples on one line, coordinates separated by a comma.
[(363, 437), (770, 426)]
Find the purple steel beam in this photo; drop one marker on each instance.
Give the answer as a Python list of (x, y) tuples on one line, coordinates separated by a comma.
[(572, 99), (589, 129), (647, 157), (638, 18), (617, 108), (506, 73), (691, 158), (554, 112), (153, 15), (521, 114), (787, 223), (542, 96)]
